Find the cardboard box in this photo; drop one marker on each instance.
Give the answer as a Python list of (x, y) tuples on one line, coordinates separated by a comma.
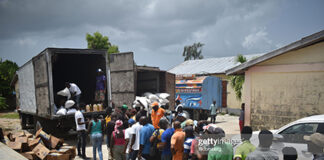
[(71, 150), (18, 134), (21, 139), (56, 142), (45, 137), (15, 146), (29, 155), (10, 137), (57, 156), (33, 143), (41, 151)]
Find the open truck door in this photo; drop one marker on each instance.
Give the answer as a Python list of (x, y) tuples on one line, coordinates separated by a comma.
[(41, 79), (122, 78)]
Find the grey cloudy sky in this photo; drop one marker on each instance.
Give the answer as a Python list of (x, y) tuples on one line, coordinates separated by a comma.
[(157, 31)]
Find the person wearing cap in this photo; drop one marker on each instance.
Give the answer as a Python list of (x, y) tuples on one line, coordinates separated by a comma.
[(263, 151), (123, 115), (315, 144), (128, 138), (117, 141), (100, 86), (188, 122), (157, 114), (246, 147), (177, 141)]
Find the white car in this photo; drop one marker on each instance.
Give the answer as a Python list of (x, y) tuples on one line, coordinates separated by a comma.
[(292, 135)]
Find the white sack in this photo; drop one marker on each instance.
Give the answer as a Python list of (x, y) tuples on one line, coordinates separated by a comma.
[(61, 111), (164, 95), (65, 92), (69, 103), (71, 111)]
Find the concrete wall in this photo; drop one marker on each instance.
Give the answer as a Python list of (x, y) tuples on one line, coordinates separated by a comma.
[(285, 88)]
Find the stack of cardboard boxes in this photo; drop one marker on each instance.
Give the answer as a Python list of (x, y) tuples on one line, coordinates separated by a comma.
[(41, 146)]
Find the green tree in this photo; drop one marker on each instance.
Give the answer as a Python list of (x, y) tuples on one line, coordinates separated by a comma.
[(7, 71), (98, 41), (193, 51), (237, 81)]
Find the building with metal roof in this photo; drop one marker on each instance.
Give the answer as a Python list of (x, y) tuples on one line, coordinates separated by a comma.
[(209, 65)]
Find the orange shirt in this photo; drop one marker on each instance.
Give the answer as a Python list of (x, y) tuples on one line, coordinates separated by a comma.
[(156, 116), (177, 141)]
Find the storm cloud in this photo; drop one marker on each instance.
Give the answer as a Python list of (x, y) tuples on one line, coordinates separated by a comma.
[(156, 31)]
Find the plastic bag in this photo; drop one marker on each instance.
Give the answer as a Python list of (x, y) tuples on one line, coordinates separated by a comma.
[(61, 111)]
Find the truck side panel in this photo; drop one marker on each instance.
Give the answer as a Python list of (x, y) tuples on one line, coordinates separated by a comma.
[(41, 85), (27, 88), (122, 73)]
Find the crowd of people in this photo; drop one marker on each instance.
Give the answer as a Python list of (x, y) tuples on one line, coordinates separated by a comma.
[(134, 134)]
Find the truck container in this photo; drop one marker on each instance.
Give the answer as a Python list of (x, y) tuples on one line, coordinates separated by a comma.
[(198, 93), (45, 74)]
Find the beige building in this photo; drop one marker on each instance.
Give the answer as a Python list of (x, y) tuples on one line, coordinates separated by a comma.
[(284, 85)]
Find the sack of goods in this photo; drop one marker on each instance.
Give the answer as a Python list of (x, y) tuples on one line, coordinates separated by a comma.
[(69, 103), (65, 92), (71, 111), (61, 111)]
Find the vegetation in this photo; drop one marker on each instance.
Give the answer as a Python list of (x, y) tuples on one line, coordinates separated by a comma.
[(7, 71), (193, 51), (238, 80), (98, 41), (12, 115)]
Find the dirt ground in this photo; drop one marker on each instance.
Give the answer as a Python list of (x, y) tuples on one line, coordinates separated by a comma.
[(228, 123)]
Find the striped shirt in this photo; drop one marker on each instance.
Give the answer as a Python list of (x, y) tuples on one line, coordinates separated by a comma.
[(187, 144)]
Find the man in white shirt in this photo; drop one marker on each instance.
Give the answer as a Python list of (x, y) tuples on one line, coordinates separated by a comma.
[(75, 92), (135, 143), (82, 135), (128, 138)]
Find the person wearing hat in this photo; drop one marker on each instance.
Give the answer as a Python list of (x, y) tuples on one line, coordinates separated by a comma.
[(100, 86), (157, 114), (221, 150), (128, 138), (123, 115), (316, 145)]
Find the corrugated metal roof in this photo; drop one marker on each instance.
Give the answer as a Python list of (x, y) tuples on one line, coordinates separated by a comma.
[(208, 65)]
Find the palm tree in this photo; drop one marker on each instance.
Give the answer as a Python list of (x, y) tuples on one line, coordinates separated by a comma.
[(238, 80), (193, 51)]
